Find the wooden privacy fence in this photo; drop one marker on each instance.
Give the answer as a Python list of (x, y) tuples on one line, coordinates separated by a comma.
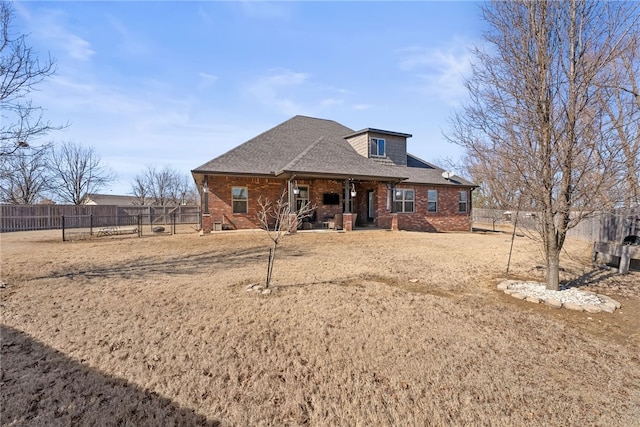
[(610, 226), (49, 217)]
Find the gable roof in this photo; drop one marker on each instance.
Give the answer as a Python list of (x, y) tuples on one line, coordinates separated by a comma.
[(316, 148), (110, 199)]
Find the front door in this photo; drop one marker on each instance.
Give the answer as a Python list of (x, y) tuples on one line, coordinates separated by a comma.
[(371, 206)]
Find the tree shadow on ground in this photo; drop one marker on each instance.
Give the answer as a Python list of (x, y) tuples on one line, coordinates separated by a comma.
[(208, 261), (172, 265), (42, 386), (590, 278)]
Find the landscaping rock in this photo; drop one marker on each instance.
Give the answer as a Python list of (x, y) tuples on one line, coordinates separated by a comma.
[(554, 303), (503, 286), (610, 301), (518, 295), (607, 308), (532, 299), (573, 306), (266, 292), (590, 308)]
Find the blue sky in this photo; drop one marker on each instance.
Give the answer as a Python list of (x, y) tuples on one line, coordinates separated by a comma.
[(179, 83)]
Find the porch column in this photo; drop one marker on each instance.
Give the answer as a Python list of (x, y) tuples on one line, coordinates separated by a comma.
[(347, 197), (394, 222), (290, 195), (292, 227), (207, 221), (394, 214), (347, 217)]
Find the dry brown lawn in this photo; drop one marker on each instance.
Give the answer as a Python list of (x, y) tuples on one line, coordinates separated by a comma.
[(160, 331)]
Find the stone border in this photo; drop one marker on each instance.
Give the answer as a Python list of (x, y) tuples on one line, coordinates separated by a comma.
[(607, 304)]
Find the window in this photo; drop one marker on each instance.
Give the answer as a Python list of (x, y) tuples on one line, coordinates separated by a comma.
[(302, 198), (404, 200), (239, 199), (432, 200), (462, 202), (376, 147)]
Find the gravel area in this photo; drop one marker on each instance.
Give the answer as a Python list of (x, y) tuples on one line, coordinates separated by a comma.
[(567, 297)]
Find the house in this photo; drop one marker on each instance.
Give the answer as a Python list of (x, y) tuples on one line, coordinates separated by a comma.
[(355, 178), (110, 199)]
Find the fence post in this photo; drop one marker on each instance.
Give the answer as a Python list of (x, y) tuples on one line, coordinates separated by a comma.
[(173, 223), (139, 225), (63, 228)]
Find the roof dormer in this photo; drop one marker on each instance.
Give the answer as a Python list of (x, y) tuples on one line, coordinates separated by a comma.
[(382, 146)]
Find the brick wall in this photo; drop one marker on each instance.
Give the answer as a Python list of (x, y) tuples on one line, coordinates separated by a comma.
[(220, 203), (447, 218)]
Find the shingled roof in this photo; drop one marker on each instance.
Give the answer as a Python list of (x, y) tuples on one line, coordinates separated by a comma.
[(316, 148)]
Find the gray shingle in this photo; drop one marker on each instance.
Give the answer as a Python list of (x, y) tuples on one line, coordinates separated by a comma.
[(316, 147)]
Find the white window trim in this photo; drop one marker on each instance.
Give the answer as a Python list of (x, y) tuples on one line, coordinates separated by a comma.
[(465, 201), (404, 200), (246, 200), (429, 201)]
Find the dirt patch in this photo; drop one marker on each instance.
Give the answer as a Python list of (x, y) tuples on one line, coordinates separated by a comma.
[(375, 328)]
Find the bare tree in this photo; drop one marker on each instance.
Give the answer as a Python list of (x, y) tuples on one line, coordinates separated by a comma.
[(278, 219), (534, 115), (162, 187), (24, 176), (620, 98), (20, 72), (140, 190), (77, 171)]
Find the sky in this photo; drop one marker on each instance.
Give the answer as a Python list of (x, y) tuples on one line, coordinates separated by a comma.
[(168, 83)]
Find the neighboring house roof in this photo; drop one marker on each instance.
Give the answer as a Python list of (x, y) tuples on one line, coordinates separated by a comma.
[(110, 199), (317, 148)]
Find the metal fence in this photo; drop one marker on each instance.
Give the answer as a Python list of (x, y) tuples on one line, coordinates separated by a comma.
[(89, 226), (610, 226), (49, 217)]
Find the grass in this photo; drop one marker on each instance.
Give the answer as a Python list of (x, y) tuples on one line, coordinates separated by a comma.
[(160, 330)]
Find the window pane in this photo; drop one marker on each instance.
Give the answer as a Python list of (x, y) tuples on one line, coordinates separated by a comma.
[(462, 207), (463, 196), (432, 207), (432, 195), (239, 192), (408, 195), (399, 194), (408, 206), (381, 147), (373, 147), (398, 206), (239, 206)]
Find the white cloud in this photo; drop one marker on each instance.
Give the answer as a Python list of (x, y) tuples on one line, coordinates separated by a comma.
[(290, 93), (49, 25), (278, 89), (440, 71), (129, 42), (206, 80)]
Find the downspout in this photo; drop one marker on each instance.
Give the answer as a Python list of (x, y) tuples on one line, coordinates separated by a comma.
[(205, 194)]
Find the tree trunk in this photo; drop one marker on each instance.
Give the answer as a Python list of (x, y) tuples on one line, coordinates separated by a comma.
[(553, 270), (272, 256)]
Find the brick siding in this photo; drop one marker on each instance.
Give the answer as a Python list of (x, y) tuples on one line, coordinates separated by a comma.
[(447, 218)]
